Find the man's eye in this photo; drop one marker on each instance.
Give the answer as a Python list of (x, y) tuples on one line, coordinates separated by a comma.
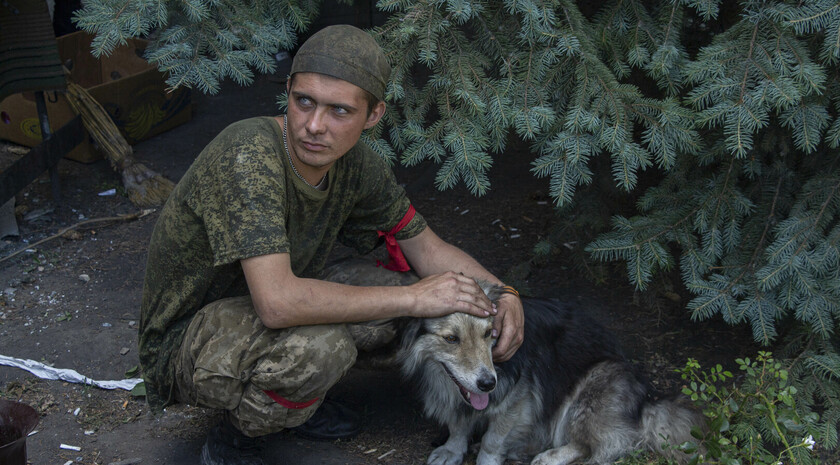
[(340, 110), (452, 339), (304, 102)]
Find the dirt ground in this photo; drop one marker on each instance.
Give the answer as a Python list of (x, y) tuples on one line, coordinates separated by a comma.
[(73, 302)]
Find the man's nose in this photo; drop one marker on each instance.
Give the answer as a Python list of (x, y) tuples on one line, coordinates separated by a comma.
[(315, 124)]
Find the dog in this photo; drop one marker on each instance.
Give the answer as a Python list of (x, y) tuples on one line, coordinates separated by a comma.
[(567, 394)]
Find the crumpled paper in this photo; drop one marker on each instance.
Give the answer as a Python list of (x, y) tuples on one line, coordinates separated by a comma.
[(64, 374)]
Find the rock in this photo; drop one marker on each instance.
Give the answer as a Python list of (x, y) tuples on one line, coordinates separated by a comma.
[(84, 278), (72, 235)]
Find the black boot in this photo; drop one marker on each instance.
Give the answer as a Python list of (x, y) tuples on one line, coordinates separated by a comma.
[(226, 445), (330, 422)]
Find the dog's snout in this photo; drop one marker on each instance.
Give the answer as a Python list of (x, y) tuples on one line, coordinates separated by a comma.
[(486, 383)]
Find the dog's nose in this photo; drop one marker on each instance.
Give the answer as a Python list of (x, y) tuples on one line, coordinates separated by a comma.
[(486, 383)]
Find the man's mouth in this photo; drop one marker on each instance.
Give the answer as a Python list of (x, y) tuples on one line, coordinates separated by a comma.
[(312, 146), (478, 400)]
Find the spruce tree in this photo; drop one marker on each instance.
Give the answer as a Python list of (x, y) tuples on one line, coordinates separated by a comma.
[(729, 109)]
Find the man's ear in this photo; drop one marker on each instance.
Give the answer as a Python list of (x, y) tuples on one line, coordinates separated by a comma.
[(375, 115)]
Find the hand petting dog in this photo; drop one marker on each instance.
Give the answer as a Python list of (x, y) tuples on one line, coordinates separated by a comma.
[(441, 294), (509, 326)]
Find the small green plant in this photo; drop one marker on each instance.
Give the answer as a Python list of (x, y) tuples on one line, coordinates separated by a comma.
[(133, 371), (753, 421)]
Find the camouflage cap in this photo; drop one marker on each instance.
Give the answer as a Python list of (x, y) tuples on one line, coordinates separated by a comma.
[(348, 53)]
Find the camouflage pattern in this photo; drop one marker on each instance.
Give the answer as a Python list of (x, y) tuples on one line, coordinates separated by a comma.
[(228, 359), (348, 53), (370, 335), (241, 199)]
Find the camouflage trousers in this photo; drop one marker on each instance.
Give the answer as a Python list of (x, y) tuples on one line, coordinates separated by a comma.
[(270, 379)]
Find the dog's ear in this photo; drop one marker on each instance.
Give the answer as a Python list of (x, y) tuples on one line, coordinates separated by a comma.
[(493, 291), (410, 330)]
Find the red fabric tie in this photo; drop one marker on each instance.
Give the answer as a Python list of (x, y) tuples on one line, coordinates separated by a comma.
[(288, 403), (396, 259)]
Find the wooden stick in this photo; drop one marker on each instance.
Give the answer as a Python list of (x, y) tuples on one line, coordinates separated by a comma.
[(129, 217)]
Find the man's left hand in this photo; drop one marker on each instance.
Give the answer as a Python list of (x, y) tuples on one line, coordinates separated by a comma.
[(509, 324)]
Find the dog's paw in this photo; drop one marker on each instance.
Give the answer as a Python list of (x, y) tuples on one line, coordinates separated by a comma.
[(559, 456), (489, 459), (445, 456), (541, 459)]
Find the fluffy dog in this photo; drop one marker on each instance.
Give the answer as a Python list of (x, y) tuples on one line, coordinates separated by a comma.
[(567, 394)]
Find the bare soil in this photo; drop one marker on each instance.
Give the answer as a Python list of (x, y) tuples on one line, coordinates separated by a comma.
[(50, 312)]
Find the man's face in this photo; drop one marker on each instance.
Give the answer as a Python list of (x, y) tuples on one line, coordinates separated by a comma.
[(326, 116)]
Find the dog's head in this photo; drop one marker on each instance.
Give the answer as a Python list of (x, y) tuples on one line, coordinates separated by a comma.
[(456, 347)]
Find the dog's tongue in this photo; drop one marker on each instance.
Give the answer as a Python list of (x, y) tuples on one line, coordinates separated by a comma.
[(479, 401)]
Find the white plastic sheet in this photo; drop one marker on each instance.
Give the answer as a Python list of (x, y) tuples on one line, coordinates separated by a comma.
[(64, 374)]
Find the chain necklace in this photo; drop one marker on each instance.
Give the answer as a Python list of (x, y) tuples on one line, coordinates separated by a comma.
[(289, 154)]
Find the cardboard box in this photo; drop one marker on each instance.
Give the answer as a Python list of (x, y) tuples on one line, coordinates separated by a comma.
[(130, 89)]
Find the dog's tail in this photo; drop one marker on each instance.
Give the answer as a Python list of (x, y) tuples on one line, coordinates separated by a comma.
[(667, 424)]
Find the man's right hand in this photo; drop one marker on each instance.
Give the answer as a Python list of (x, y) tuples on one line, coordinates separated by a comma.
[(441, 294)]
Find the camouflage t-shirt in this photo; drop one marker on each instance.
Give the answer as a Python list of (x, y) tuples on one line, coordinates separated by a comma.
[(240, 199)]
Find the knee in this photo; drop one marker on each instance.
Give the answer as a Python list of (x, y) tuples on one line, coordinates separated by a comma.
[(323, 344), (316, 355)]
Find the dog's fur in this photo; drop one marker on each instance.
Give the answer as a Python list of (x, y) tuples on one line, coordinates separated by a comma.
[(567, 394)]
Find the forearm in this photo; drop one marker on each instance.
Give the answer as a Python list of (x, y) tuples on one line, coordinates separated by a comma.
[(428, 255), (302, 301), (282, 299)]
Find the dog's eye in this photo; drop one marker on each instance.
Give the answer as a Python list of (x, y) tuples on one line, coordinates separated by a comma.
[(488, 333), (451, 338)]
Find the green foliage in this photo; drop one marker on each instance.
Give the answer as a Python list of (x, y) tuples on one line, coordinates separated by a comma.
[(199, 43), (814, 373), (139, 390), (719, 119), (756, 421), (545, 83)]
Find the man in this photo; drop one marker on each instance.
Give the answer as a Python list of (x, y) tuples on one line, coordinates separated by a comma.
[(256, 216)]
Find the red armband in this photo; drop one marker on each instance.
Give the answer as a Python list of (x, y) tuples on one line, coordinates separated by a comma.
[(396, 259), (289, 403)]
